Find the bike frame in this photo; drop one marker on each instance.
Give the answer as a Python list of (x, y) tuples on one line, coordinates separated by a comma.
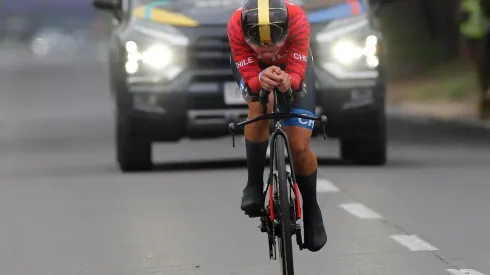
[(276, 116)]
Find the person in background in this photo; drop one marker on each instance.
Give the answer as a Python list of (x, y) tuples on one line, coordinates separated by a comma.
[(474, 27), (485, 100)]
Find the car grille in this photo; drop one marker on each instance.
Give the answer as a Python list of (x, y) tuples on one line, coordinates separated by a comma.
[(211, 52), (209, 59)]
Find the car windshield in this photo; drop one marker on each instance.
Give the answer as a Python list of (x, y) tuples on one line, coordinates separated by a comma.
[(308, 4), (193, 3)]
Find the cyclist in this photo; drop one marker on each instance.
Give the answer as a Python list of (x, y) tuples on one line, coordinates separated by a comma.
[(269, 42)]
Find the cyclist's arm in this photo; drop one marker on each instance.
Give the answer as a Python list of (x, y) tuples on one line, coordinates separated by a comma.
[(246, 61), (299, 33)]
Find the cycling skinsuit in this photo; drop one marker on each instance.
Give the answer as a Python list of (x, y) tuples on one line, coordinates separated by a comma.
[(294, 58)]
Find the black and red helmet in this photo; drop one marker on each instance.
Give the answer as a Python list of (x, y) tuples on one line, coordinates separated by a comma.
[(265, 22)]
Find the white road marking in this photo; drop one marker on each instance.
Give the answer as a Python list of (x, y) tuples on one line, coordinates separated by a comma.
[(464, 272), (413, 242), (325, 186), (361, 211)]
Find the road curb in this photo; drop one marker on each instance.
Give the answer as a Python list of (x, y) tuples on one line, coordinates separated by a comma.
[(402, 113)]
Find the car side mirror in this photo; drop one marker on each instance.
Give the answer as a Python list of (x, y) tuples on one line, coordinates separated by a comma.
[(110, 5), (107, 4), (378, 4), (374, 10)]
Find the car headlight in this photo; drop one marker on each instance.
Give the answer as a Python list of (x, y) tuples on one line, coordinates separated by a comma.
[(348, 48), (157, 56), (347, 52), (155, 51)]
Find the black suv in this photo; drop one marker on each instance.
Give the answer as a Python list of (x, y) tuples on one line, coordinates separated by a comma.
[(171, 77)]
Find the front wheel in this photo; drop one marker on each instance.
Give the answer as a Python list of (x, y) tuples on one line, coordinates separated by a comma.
[(281, 185), (133, 150)]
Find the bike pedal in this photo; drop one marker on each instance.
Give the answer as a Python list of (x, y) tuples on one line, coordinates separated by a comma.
[(262, 227)]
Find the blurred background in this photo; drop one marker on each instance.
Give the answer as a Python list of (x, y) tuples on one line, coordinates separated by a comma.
[(423, 37), (51, 28), (425, 47), (430, 63), (66, 208)]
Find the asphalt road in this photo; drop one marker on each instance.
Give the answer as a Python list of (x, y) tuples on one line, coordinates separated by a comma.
[(66, 209)]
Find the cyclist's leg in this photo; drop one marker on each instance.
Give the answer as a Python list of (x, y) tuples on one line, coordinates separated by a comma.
[(305, 164), (256, 143)]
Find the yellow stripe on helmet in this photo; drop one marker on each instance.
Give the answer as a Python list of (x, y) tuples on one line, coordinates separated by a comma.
[(264, 21)]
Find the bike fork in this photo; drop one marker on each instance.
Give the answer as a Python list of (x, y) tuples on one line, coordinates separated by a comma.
[(296, 204)]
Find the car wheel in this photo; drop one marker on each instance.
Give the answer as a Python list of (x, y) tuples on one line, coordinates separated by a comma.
[(133, 150), (368, 148)]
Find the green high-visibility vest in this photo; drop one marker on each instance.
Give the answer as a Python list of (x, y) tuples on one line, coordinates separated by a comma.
[(476, 24)]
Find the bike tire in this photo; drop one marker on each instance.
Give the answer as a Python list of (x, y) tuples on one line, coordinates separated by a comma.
[(285, 242)]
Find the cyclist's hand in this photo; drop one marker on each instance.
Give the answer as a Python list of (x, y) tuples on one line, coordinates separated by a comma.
[(285, 82), (269, 78)]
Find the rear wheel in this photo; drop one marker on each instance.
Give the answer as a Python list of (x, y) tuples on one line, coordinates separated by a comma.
[(281, 185)]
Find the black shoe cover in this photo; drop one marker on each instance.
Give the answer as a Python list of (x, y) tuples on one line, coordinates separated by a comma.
[(253, 200), (253, 196), (315, 234)]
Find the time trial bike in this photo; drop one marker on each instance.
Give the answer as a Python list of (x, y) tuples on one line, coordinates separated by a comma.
[(282, 206)]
